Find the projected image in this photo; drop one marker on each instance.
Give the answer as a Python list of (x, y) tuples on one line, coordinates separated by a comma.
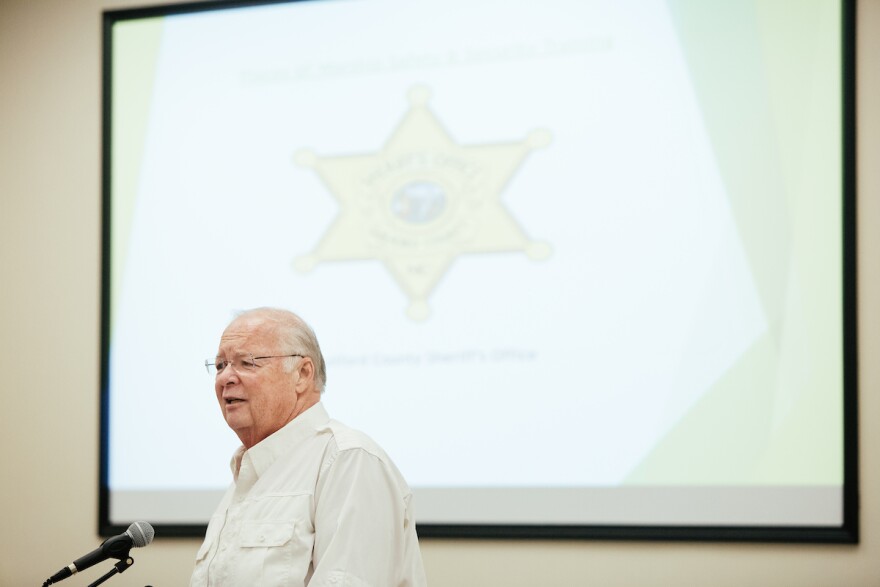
[(570, 263), (422, 202)]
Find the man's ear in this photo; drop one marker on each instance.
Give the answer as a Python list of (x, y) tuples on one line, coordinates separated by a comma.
[(306, 372)]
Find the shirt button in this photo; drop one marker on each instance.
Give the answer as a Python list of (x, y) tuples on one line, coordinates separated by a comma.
[(262, 538)]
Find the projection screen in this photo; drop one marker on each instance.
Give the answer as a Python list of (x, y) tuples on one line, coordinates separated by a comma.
[(583, 269)]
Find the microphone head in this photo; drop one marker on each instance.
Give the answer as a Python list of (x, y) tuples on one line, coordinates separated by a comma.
[(141, 533)]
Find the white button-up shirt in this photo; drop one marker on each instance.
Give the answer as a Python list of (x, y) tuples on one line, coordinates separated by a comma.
[(315, 504)]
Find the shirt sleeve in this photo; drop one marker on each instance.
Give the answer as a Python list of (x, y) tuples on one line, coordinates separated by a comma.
[(364, 533)]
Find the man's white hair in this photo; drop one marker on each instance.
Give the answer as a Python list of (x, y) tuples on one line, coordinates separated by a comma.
[(294, 332)]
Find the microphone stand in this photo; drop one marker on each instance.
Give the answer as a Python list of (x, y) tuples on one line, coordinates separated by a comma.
[(119, 567)]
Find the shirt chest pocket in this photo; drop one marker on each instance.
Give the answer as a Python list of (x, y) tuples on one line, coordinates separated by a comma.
[(275, 540), (266, 534)]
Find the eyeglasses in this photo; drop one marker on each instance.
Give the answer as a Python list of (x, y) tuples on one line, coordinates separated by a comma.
[(241, 363)]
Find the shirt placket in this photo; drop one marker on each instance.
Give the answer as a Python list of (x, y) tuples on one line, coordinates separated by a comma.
[(227, 561)]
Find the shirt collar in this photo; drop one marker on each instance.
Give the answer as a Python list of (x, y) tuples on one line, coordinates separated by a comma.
[(263, 454)]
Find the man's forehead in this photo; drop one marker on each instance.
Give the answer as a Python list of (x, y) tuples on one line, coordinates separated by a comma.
[(248, 329)]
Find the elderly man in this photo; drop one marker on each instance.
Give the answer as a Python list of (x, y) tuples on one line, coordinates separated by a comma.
[(313, 502)]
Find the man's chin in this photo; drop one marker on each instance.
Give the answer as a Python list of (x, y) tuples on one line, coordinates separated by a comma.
[(236, 421)]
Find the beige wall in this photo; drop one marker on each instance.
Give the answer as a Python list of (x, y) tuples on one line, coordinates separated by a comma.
[(49, 315)]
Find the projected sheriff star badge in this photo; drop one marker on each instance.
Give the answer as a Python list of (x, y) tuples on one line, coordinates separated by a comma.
[(421, 202)]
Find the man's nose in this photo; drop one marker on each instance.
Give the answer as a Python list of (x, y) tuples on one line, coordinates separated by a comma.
[(227, 376)]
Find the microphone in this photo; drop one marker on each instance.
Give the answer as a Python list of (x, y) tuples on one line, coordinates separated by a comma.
[(138, 534)]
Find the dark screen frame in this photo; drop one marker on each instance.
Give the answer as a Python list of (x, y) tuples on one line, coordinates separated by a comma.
[(846, 533)]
